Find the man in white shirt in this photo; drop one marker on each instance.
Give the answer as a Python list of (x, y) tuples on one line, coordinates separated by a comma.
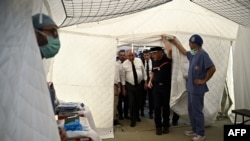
[(132, 84), (117, 90), (147, 62), (122, 106)]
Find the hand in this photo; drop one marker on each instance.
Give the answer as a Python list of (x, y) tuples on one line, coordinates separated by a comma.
[(150, 85), (145, 85), (199, 81), (163, 37), (63, 134), (175, 41), (119, 90), (124, 92)]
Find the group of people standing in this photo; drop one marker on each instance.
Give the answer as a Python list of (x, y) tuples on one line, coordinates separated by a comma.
[(145, 78), (151, 77)]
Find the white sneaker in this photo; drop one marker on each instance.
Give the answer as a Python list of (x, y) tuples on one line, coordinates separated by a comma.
[(190, 133), (198, 138)]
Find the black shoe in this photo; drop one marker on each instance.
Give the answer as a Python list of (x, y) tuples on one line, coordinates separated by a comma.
[(165, 130), (174, 123), (138, 119), (151, 116), (121, 118), (116, 122), (126, 117), (132, 124), (158, 131)]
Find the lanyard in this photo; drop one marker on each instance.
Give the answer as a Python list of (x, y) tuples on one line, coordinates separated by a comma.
[(159, 68)]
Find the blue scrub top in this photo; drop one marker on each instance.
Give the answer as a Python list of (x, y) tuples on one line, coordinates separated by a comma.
[(198, 66)]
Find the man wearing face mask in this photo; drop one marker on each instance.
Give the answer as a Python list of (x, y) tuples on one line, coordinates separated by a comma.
[(46, 35), (47, 38), (201, 69), (49, 45)]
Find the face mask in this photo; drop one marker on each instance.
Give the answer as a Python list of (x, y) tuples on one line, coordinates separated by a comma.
[(51, 49), (193, 52)]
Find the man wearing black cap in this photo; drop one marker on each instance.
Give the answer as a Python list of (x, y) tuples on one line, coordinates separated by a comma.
[(201, 69), (161, 80)]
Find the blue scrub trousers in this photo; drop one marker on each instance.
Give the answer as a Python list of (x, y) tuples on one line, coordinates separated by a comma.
[(196, 115)]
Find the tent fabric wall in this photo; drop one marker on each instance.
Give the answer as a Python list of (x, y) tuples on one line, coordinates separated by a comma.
[(241, 68), (83, 71), (228, 103), (25, 108)]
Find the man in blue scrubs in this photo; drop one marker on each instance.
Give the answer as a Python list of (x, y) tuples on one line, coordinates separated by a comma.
[(201, 69)]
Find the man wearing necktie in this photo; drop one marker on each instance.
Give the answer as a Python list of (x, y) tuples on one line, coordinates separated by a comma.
[(147, 62), (133, 74)]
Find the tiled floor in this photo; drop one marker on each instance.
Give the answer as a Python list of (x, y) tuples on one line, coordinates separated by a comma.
[(145, 131)]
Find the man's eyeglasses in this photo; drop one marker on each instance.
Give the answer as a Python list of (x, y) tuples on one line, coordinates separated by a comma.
[(41, 38), (50, 32), (41, 35)]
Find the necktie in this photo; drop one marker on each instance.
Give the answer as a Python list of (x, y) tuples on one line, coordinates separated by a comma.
[(135, 74), (147, 70)]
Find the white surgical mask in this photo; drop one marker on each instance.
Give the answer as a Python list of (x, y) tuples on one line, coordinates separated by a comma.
[(193, 52)]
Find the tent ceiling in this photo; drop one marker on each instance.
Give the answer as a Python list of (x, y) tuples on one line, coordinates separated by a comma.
[(87, 11), (172, 18), (235, 10)]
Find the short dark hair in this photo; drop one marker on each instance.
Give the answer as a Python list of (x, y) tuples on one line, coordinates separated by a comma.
[(146, 51), (122, 50)]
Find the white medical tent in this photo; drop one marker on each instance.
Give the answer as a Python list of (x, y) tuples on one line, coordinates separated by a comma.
[(83, 70)]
